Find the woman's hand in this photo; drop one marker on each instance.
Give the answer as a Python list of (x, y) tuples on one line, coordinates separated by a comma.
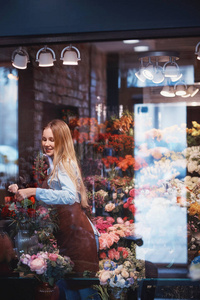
[(13, 188), (25, 193)]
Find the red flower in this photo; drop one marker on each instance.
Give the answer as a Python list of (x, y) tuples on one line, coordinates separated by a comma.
[(31, 212)]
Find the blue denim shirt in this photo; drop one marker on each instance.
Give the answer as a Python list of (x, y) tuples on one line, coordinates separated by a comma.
[(62, 189)]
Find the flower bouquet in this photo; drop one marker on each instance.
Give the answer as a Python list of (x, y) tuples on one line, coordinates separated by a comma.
[(120, 270), (46, 267)]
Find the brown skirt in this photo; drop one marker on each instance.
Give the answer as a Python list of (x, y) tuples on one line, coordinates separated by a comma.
[(76, 238)]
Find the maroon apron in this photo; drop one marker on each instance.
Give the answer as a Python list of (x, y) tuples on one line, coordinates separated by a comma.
[(76, 239)]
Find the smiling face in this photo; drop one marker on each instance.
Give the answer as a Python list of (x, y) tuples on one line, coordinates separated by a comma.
[(48, 143)]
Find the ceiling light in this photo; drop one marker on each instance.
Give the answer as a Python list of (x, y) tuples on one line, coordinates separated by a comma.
[(131, 41), (45, 57), (180, 89), (171, 69), (167, 91), (197, 51), (148, 72), (139, 74), (70, 55), (20, 58), (186, 95), (179, 76), (153, 71), (158, 74), (141, 48), (193, 91)]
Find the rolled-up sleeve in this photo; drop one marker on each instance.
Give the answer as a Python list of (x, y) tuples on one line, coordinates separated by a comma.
[(62, 191)]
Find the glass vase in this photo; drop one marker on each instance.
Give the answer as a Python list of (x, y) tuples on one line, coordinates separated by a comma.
[(120, 294), (44, 291), (25, 243)]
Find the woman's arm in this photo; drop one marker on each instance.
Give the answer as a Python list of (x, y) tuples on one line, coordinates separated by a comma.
[(64, 192)]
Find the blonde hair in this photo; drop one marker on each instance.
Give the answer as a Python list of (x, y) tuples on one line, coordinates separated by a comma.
[(64, 153)]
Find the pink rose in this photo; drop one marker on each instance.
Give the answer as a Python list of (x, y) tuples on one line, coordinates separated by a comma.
[(104, 276), (117, 255), (110, 220), (125, 253), (120, 220), (38, 265), (109, 207), (53, 256), (124, 273), (111, 254), (127, 223)]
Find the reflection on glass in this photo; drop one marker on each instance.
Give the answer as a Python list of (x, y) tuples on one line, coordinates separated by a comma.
[(8, 125), (161, 218)]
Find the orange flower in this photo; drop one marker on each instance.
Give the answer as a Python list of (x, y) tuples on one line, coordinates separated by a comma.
[(32, 198)]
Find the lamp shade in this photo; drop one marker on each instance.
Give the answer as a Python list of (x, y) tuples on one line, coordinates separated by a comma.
[(20, 58), (140, 76), (167, 91), (148, 72), (45, 57), (171, 71), (70, 58), (193, 91), (70, 55), (180, 90), (178, 77), (158, 76), (20, 61)]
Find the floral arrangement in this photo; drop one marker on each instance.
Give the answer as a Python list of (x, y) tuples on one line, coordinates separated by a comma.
[(84, 129), (120, 270), (193, 159), (113, 232), (193, 134), (27, 215), (46, 267), (124, 124), (40, 167)]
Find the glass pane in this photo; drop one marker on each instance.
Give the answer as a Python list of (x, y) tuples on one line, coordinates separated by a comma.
[(9, 126)]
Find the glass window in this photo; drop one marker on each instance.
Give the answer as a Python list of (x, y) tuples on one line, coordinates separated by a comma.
[(134, 121), (9, 125)]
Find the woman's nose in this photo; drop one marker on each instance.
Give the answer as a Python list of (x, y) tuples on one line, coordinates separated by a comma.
[(46, 143)]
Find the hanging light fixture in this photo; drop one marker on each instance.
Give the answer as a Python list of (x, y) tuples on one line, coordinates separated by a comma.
[(45, 57), (197, 51), (20, 58), (148, 72), (158, 74), (139, 74), (171, 69), (168, 91), (70, 55), (180, 89), (193, 90), (152, 70)]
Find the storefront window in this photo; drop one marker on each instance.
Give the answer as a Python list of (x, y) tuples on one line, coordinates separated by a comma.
[(135, 128)]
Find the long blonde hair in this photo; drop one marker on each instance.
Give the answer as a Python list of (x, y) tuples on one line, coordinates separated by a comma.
[(64, 153)]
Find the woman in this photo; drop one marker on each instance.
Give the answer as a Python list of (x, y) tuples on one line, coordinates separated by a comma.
[(77, 236)]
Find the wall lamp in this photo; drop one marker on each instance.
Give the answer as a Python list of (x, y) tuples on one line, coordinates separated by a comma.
[(20, 58), (45, 57), (70, 55)]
